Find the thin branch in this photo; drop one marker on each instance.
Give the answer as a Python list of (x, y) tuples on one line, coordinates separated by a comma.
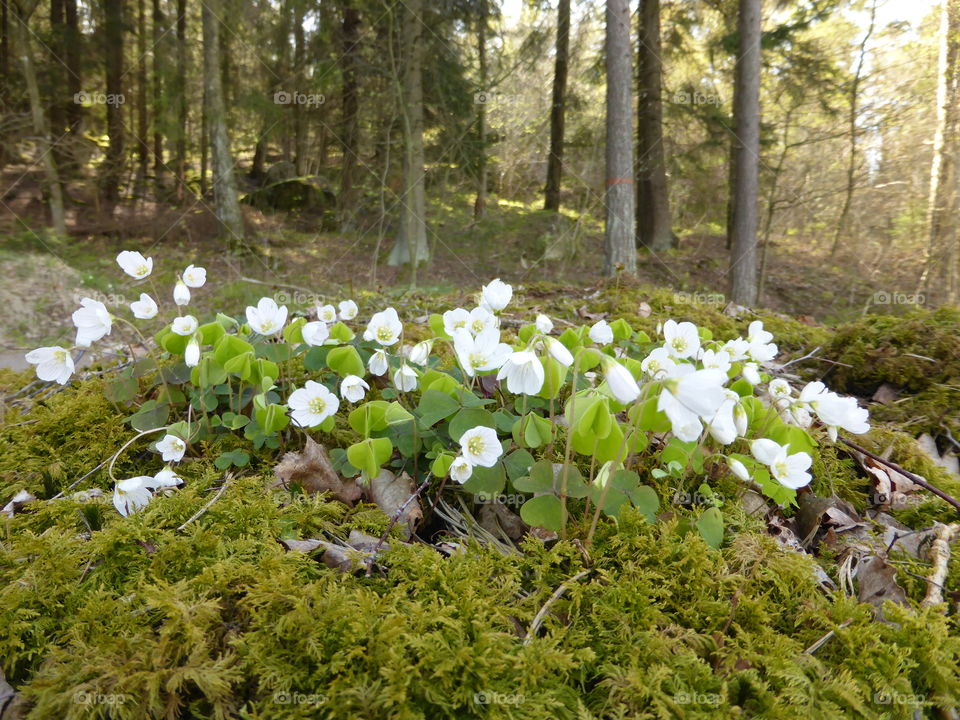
[(206, 507), (399, 513), (538, 619)]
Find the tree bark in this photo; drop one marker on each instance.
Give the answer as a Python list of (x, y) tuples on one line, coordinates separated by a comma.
[(620, 253), (746, 114), (143, 147), (940, 279), (159, 108), (72, 57), (350, 130), (113, 60), (299, 109), (480, 204), (411, 246), (551, 193), (40, 127), (654, 229), (180, 100), (227, 207)]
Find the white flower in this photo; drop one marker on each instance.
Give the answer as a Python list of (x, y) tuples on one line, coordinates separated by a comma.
[(523, 372), (737, 349), (132, 494), (92, 320), (181, 293), (384, 327), (659, 363), (723, 427), (620, 381), (194, 276), (315, 333), (191, 354), (780, 388), (171, 448), (761, 349), (690, 397), (601, 333), (54, 364), (481, 353), (738, 468), (789, 470), (480, 446), (751, 373), (327, 314), (558, 351), (312, 404), (186, 325), (134, 264), (544, 324), (405, 378), (833, 410), (495, 295), (420, 353), (378, 363), (455, 319), (348, 309), (719, 360), (681, 339), (461, 470), (266, 318), (481, 319), (353, 388), (685, 423), (167, 478), (145, 308)]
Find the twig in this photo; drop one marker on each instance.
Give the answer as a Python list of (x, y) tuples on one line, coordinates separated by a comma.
[(399, 512), (538, 618), (950, 437), (801, 359), (206, 507), (906, 473), (826, 638), (79, 480), (940, 555)]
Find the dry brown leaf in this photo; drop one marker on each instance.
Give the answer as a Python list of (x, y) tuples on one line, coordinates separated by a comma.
[(390, 492), (302, 546), (313, 471), (886, 394), (948, 461), (877, 582), (644, 310), (12, 704), (18, 501), (499, 519)]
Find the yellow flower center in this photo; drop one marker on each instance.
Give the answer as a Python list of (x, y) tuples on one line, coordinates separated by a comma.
[(679, 344), (317, 406), (142, 269), (475, 445), (477, 359), (780, 469), (60, 356), (384, 334), (478, 326)]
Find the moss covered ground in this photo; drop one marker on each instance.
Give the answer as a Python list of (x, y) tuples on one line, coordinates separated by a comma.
[(142, 617)]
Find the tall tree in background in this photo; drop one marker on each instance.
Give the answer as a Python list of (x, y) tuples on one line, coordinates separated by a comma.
[(551, 199), (350, 107), (943, 254), (143, 148), (653, 203), (113, 62), (21, 33), (746, 120), (180, 100), (411, 246), (480, 204), (227, 207), (619, 240)]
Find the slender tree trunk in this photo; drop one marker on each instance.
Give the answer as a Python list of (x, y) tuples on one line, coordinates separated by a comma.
[(72, 56), (40, 127), (299, 109), (350, 131), (113, 60), (4, 40), (411, 246), (551, 193), (180, 100), (143, 147), (225, 200), (620, 251), (654, 229), (772, 202), (58, 115), (746, 113), (480, 204), (940, 279), (842, 221), (159, 108)]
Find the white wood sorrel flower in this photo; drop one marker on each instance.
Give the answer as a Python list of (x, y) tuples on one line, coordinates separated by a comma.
[(480, 353), (788, 470), (267, 318), (145, 308), (181, 293), (353, 388), (92, 321), (384, 327), (312, 404), (171, 448), (481, 446), (348, 309), (523, 372), (496, 295), (185, 325), (194, 276), (134, 264), (54, 364), (461, 469)]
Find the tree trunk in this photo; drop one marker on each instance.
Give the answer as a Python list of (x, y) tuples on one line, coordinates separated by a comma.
[(480, 204), (620, 253), (746, 115), (841, 228), (299, 108), (113, 60), (350, 131), (551, 193), (143, 148), (180, 100), (40, 128), (654, 229), (224, 182), (159, 109), (4, 40), (72, 57), (940, 279), (411, 246)]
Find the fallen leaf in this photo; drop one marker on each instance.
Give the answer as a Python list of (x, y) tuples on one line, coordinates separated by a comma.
[(18, 501), (12, 704), (302, 546), (877, 582), (886, 394), (500, 520), (313, 471), (644, 310), (390, 492), (948, 461)]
